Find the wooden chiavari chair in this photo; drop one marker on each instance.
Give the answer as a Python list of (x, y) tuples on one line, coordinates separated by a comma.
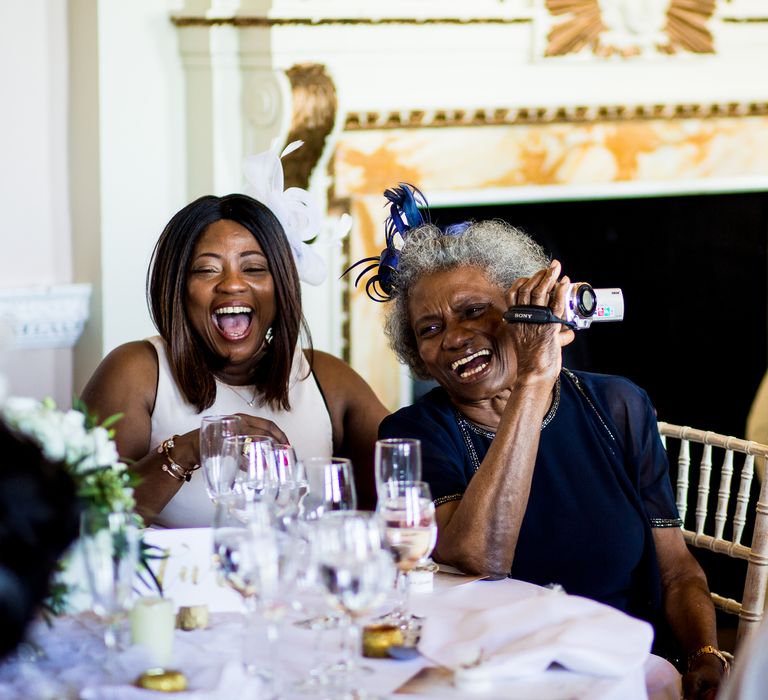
[(723, 533)]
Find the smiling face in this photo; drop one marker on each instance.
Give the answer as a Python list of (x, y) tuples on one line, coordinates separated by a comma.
[(230, 295), (456, 318)]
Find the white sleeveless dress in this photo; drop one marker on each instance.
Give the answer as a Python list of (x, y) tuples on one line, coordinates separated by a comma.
[(307, 426)]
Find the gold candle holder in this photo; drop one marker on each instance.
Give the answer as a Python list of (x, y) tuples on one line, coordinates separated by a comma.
[(377, 639), (163, 680), (192, 617)]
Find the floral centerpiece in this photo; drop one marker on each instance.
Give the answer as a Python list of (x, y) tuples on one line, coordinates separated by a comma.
[(87, 451)]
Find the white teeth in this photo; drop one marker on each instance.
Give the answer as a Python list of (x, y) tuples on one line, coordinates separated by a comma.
[(233, 310), (470, 372), (464, 360)]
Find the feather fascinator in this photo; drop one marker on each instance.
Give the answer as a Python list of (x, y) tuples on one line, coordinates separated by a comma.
[(404, 215), (295, 209)]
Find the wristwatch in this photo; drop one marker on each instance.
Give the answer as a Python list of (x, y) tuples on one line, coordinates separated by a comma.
[(709, 649)]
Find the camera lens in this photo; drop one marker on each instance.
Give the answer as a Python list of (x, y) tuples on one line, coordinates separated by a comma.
[(586, 301)]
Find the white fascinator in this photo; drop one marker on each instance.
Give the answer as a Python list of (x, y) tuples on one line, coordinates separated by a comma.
[(295, 209)]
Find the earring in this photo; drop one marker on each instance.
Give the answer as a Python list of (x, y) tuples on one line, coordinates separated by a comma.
[(269, 335)]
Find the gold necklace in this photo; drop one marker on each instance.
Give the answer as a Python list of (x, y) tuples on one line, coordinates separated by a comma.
[(250, 403)]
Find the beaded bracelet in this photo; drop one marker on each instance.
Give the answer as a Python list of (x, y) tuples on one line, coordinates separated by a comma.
[(173, 468)]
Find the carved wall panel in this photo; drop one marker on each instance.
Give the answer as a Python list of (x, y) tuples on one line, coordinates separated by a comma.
[(629, 28)]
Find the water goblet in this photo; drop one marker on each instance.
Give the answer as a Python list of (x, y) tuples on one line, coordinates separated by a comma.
[(331, 486), (109, 543), (357, 574), (220, 471), (407, 516), (397, 459)]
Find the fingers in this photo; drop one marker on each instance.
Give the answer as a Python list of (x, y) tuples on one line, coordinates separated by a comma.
[(253, 425), (540, 289)]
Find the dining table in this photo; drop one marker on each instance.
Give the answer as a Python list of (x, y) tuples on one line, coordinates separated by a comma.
[(480, 639)]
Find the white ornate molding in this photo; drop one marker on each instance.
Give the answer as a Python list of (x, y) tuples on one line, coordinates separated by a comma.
[(44, 317)]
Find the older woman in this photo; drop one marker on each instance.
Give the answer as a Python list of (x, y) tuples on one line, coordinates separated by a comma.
[(538, 472), (224, 294)]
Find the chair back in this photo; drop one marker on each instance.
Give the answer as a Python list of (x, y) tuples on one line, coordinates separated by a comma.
[(724, 532)]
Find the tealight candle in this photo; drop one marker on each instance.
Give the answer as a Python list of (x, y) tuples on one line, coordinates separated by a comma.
[(153, 621)]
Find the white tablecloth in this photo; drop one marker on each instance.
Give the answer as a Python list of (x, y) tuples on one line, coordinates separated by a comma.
[(69, 662)]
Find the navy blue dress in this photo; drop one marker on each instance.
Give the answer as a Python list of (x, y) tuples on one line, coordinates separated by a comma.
[(600, 484)]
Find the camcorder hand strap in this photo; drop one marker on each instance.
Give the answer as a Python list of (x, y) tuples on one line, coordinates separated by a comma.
[(534, 314)]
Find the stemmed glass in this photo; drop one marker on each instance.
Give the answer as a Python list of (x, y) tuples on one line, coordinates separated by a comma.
[(109, 544), (257, 474), (331, 486), (291, 483), (357, 574), (246, 556), (407, 516), (397, 459), (311, 598), (219, 471)]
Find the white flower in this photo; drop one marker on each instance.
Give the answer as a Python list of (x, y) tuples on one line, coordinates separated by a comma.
[(62, 435), (295, 209)]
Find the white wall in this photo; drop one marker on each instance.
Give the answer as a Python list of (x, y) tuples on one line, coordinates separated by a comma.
[(128, 159), (35, 237)]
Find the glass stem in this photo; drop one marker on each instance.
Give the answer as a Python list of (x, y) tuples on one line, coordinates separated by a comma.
[(249, 625), (271, 679), (400, 613), (355, 646), (110, 642)]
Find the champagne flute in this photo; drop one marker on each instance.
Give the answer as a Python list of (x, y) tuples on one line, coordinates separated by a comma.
[(356, 572), (109, 543), (331, 486), (219, 471), (397, 459), (407, 516)]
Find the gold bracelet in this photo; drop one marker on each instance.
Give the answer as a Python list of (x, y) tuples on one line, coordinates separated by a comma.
[(173, 468), (709, 649)]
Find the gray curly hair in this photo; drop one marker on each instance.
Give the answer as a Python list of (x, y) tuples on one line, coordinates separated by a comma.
[(501, 251)]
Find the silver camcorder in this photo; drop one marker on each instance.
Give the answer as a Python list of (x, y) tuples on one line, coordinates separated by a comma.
[(585, 304)]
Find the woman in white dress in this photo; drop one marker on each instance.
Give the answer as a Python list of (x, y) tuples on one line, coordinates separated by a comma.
[(224, 294)]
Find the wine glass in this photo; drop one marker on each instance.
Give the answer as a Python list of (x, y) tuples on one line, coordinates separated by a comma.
[(219, 472), (310, 602), (357, 574), (109, 543), (246, 557), (397, 459), (331, 486), (407, 516), (257, 473)]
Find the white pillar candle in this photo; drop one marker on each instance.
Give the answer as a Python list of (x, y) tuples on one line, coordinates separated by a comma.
[(153, 623)]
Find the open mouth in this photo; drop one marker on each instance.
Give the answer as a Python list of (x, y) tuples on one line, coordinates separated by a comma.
[(467, 367), (233, 322)]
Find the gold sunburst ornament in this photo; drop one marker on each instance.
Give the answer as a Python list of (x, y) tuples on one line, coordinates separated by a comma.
[(629, 28)]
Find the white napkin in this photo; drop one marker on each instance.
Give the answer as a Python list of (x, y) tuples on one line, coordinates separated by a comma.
[(526, 636)]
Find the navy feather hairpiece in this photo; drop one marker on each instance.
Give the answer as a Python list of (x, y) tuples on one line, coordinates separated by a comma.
[(404, 215)]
